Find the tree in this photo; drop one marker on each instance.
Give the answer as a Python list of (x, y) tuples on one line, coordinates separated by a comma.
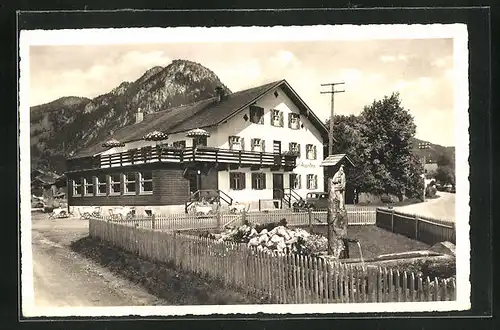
[(378, 141), (347, 134), (446, 175)]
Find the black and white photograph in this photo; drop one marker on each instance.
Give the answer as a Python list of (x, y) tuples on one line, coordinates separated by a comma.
[(221, 170)]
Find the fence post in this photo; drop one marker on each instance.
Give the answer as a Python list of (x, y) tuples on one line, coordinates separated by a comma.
[(175, 249), (309, 213), (153, 222), (218, 216), (243, 217), (392, 220)]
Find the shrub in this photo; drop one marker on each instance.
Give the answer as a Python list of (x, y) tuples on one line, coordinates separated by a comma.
[(430, 191)]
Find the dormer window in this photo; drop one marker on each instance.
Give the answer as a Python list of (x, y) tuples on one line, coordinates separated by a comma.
[(258, 145), (276, 118), (293, 121), (236, 143), (256, 115)]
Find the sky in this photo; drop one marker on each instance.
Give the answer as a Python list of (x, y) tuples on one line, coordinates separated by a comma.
[(421, 70)]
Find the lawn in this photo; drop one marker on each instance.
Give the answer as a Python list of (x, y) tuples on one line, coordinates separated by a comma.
[(375, 241)]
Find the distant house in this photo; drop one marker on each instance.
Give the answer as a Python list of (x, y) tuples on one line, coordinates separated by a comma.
[(259, 144), (430, 167), (48, 184)]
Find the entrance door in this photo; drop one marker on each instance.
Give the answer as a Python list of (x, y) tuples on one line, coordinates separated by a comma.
[(277, 153), (277, 185), (193, 182)]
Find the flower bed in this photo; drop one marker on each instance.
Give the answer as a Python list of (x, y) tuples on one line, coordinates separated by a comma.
[(273, 237)]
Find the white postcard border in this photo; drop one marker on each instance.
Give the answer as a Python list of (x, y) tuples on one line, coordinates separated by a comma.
[(248, 34)]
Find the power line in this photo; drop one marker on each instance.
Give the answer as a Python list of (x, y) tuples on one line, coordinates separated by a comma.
[(333, 92)]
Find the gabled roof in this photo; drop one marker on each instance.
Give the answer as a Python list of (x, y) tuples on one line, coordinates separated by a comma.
[(47, 178), (203, 114), (335, 159)]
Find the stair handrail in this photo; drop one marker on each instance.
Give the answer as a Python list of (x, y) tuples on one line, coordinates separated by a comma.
[(223, 196), (295, 195)]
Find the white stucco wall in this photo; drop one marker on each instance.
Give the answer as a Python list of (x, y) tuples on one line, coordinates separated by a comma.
[(239, 127)]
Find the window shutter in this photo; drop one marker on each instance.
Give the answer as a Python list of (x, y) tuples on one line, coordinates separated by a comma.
[(242, 180), (264, 178), (254, 178), (289, 120), (242, 143), (299, 182), (231, 181), (281, 118), (290, 146), (308, 183), (315, 182), (230, 142), (263, 145), (315, 152), (298, 149), (261, 113)]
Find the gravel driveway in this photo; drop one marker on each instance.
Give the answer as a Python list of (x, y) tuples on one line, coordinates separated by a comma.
[(63, 278), (442, 208)]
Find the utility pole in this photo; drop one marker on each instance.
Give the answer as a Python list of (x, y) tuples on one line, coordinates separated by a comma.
[(424, 146), (334, 212), (333, 92)]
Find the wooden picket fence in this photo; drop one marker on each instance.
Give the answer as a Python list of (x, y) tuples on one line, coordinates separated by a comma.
[(424, 229), (278, 277), (355, 216)]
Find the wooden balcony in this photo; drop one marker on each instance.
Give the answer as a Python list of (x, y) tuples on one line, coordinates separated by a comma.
[(162, 154)]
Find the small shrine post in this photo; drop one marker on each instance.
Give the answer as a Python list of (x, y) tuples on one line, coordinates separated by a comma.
[(337, 215)]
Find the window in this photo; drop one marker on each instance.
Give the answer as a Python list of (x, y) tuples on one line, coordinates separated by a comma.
[(236, 143), (237, 180), (295, 147), (310, 151), (114, 184), (146, 182), (293, 121), (277, 118), (258, 181), (199, 141), (256, 115), (295, 181), (179, 144), (258, 145), (77, 187), (312, 181), (101, 184), (129, 183), (88, 185)]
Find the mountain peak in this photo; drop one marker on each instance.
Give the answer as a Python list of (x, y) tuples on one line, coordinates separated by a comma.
[(149, 73), (159, 88)]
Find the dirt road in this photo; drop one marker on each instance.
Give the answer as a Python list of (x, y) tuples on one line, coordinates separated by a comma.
[(442, 207), (63, 278)]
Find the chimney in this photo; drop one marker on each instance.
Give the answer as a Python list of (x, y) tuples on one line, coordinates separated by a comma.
[(139, 116), (220, 93)]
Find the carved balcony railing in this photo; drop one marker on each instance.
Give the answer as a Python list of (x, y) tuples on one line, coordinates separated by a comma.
[(188, 155)]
